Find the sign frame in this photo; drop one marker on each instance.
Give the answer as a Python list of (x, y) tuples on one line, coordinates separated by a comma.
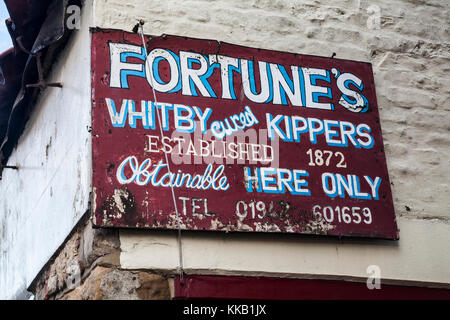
[(330, 175)]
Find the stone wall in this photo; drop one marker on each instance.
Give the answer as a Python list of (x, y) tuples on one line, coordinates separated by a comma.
[(87, 267)]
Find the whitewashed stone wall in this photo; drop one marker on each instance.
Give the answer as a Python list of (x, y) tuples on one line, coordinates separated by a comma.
[(43, 200)]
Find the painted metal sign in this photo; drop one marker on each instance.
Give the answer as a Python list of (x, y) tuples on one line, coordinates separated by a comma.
[(205, 135)]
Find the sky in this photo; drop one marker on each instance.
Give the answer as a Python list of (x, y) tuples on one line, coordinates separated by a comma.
[(5, 39)]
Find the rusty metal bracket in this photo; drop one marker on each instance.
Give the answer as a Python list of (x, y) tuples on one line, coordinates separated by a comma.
[(42, 84), (11, 167), (136, 27), (21, 46), (6, 167)]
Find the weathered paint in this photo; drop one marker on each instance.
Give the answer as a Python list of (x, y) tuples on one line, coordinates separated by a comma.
[(122, 204)]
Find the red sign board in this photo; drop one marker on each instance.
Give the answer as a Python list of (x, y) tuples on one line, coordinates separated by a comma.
[(205, 135)]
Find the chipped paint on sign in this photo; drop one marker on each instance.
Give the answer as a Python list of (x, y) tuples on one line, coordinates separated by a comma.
[(256, 140)]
